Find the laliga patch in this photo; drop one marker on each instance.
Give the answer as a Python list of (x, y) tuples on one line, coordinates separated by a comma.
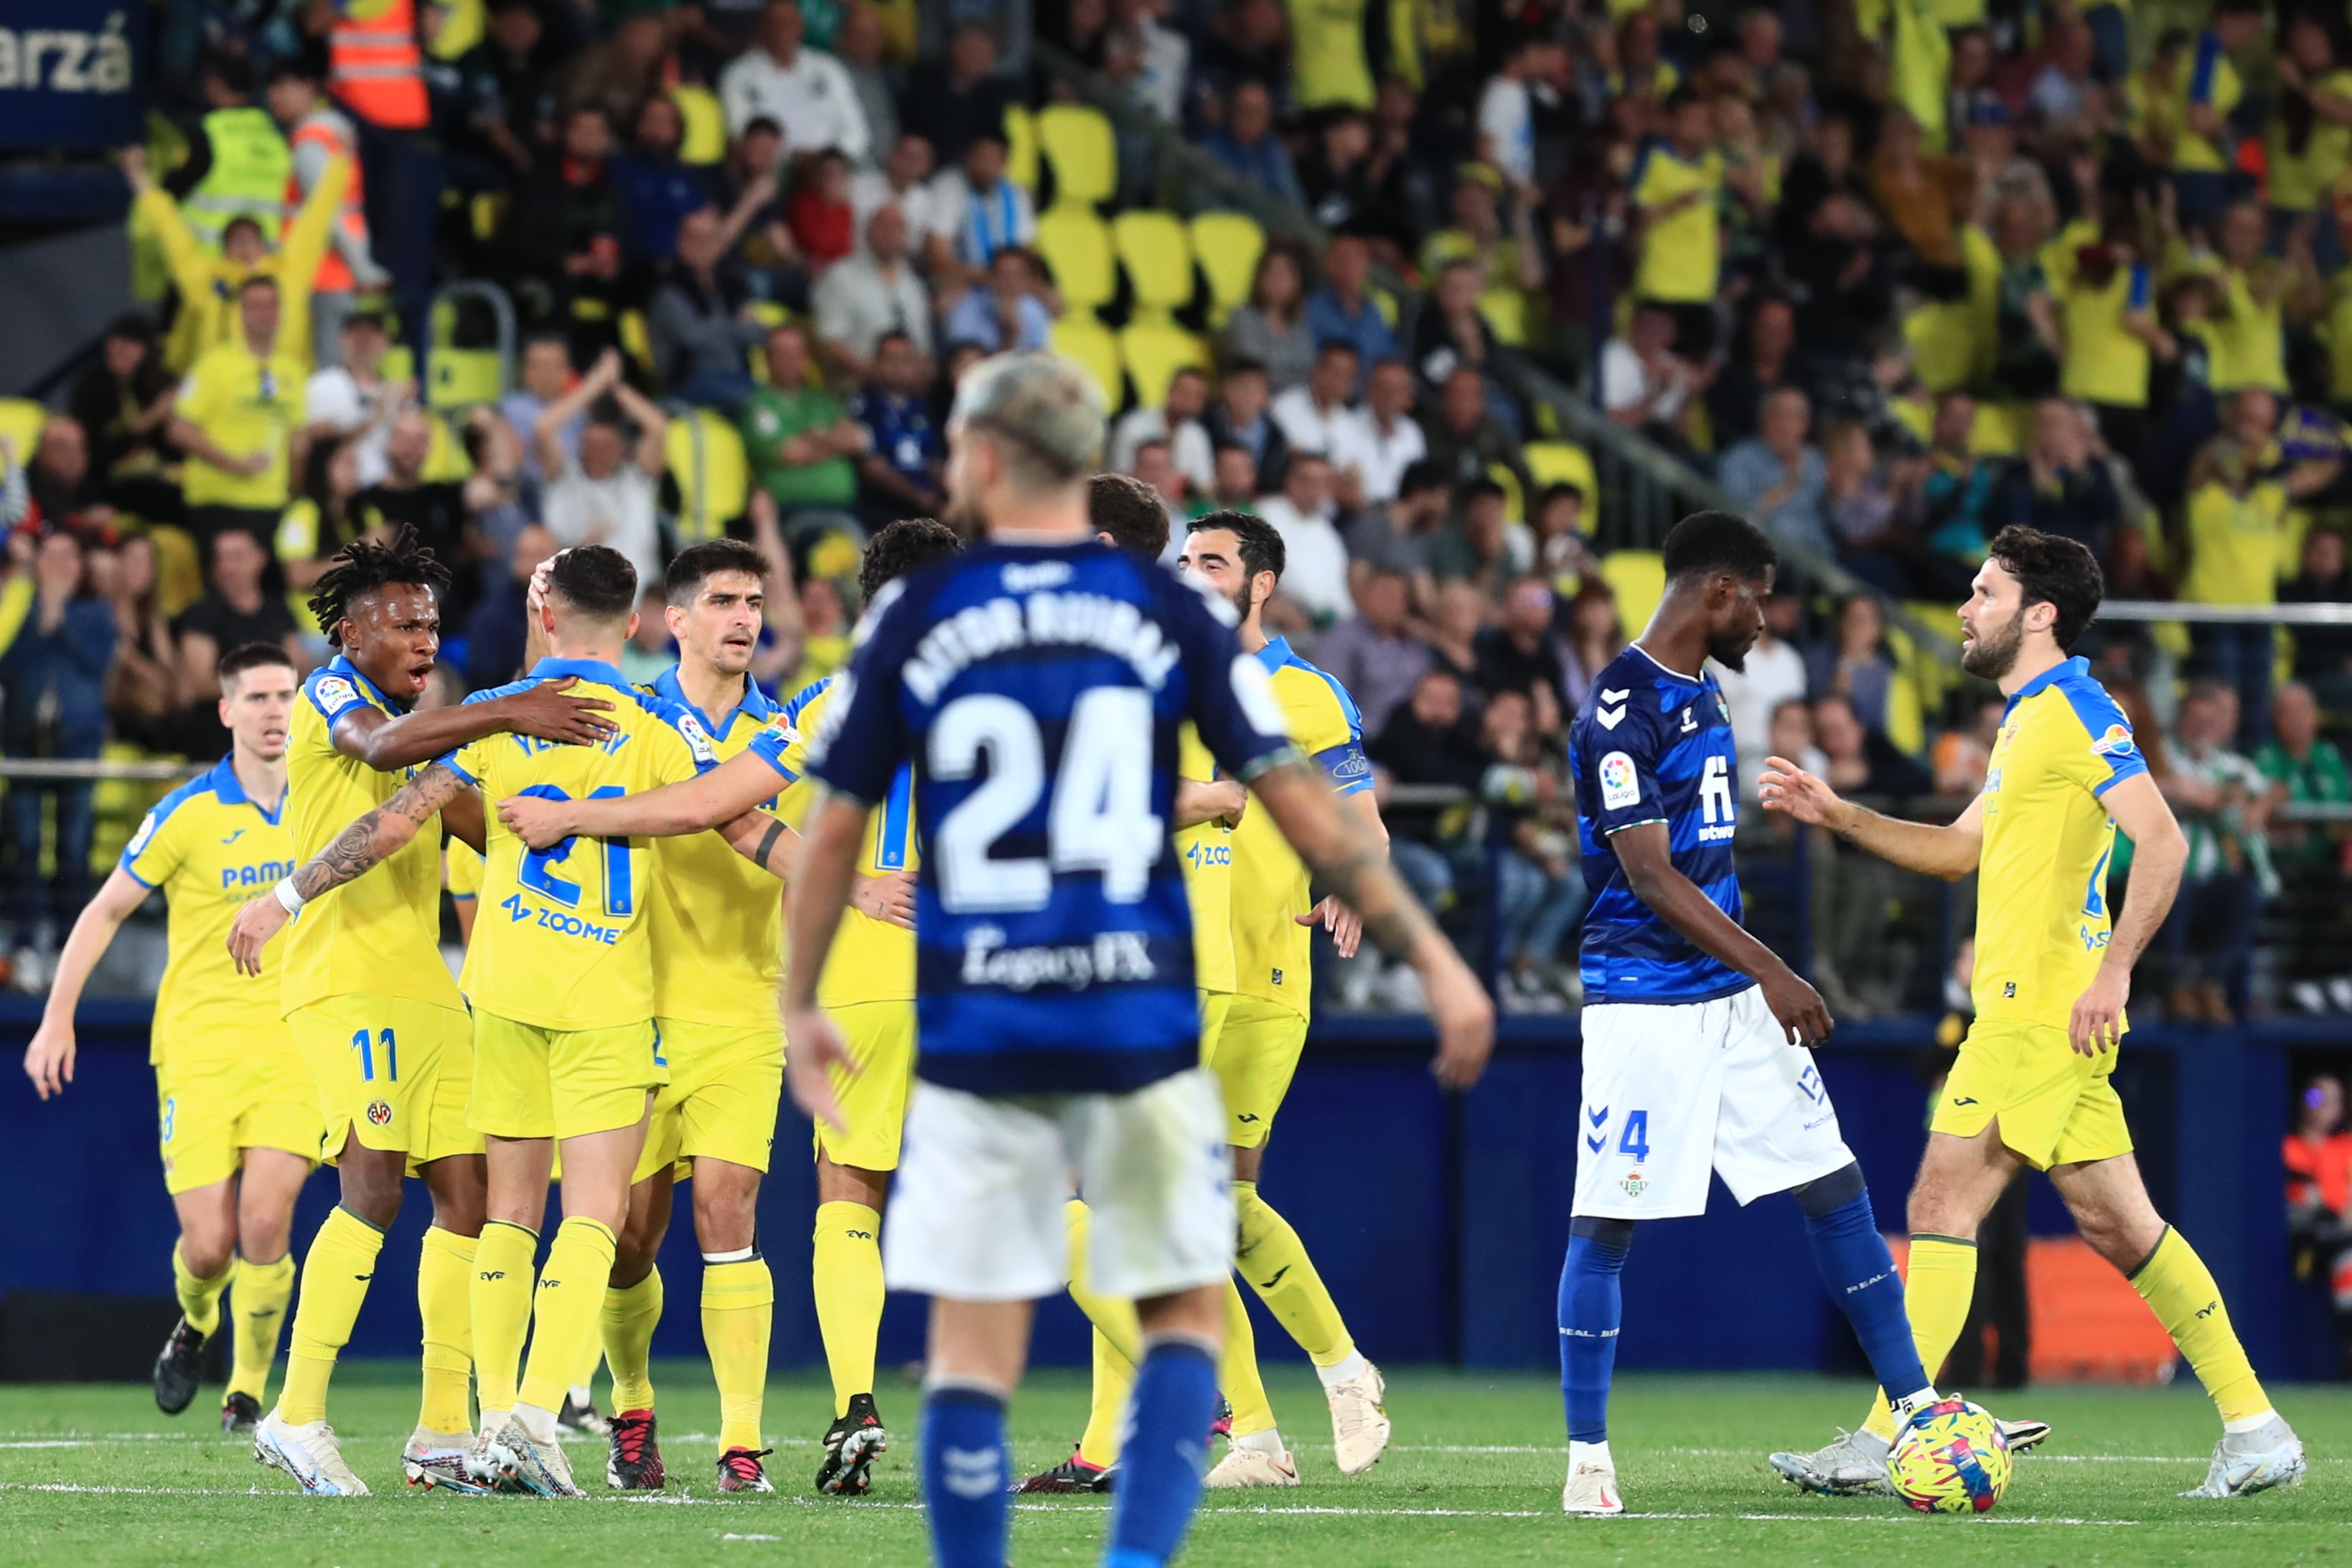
[(334, 692), (1619, 786), (379, 1114), (2116, 742), (146, 831), (697, 739)]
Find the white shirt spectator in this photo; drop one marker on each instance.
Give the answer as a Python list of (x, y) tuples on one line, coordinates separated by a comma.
[(1157, 85), (1315, 573), (855, 304), (978, 227), (1310, 427), (870, 190), (1507, 119), (363, 415), (616, 510), (1380, 456), (1189, 448), (1626, 382), (813, 99), (1775, 675)]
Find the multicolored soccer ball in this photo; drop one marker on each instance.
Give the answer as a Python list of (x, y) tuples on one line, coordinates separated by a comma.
[(1951, 1459)]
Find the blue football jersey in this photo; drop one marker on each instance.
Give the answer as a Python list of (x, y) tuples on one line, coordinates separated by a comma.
[(1651, 746), (1037, 690)]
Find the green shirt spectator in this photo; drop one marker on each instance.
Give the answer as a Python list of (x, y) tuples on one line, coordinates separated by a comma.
[(800, 442), (2310, 768)]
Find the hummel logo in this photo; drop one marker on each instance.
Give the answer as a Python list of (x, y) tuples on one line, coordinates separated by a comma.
[(1278, 1273), (1594, 1143), (1597, 1116), (1618, 695), (234, 836), (1964, 1099), (1610, 717)]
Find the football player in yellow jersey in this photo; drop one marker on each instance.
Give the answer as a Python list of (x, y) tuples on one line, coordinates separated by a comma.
[(869, 978), (371, 1007), (239, 1115), (566, 1055), (1257, 1051), (2053, 974)]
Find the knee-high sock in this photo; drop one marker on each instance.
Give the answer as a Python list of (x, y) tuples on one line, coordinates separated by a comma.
[(1237, 1372), (1942, 1278), (260, 1305), (501, 1303), (846, 1275), (1271, 1256), (1160, 1478), (1858, 1271), (567, 1309), (587, 1376), (739, 1313), (1113, 1386), (335, 1276), (2180, 1289), (631, 1312), (964, 1465), (445, 1306), (1591, 1308), (200, 1298), (1118, 1342)]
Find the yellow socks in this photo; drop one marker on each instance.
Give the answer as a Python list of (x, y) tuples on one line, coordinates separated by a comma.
[(335, 1278), (445, 1278), (1274, 1260), (845, 1274), (1237, 1373), (1113, 1316), (262, 1292), (2180, 1289), (501, 1298), (567, 1309), (1937, 1285), (631, 1313), (739, 1313), (199, 1298), (587, 1376)]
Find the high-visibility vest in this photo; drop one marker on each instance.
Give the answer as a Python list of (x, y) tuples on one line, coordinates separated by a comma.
[(334, 134), (247, 179), (374, 66)]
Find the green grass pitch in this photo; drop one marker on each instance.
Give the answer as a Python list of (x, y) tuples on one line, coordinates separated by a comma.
[(93, 1477)]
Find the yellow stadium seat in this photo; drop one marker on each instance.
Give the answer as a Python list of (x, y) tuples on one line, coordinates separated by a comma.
[(1076, 247), (20, 424), (464, 377), (463, 25), (1021, 158), (1999, 429), (1087, 343), (1515, 501), (713, 474), (1078, 144), (399, 364), (1386, 304), (1227, 246), (1907, 720), (1158, 256), (1154, 352), (446, 459), (1553, 463), (637, 343), (1638, 578), (1505, 311), (705, 123)]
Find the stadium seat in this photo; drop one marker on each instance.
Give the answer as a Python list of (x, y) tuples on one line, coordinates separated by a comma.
[(1158, 256), (1021, 158), (1087, 343), (464, 377), (1227, 246), (1154, 352), (1077, 144), (1505, 311), (705, 138), (636, 341), (1638, 579), (714, 475), (463, 25), (1562, 462), (1515, 501), (446, 459), (399, 364), (20, 424), (1076, 247)]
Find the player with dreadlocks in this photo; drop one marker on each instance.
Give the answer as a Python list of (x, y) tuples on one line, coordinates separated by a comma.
[(372, 1009)]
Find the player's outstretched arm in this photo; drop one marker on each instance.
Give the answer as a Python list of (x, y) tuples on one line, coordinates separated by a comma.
[(1646, 853), (813, 1045), (544, 712), (1348, 859), (49, 1059), (2160, 851), (357, 848), (1331, 912), (1199, 801), (712, 800), (774, 848), (1948, 852)]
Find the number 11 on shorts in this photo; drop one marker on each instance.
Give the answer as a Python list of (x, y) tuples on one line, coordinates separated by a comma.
[(383, 1042)]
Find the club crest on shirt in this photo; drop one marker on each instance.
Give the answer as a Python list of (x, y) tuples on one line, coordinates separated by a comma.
[(379, 1114), (2116, 742), (1634, 1182), (1619, 786)]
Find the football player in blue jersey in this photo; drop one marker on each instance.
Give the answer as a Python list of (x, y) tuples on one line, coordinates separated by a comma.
[(1036, 685), (1696, 1035)]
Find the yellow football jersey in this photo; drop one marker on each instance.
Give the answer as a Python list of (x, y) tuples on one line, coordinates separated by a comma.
[(1207, 853), (244, 405), (210, 847), (561, 940), (461, 869), (377, 935), (871, 960), (1682, 254), (718, 920), (1272, 951), (2210, 80), (2043, 919)]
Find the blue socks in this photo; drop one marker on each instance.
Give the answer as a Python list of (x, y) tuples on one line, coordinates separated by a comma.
[(1160, 1465), (966, 1477), (1859, 1274), (1592, 1306)]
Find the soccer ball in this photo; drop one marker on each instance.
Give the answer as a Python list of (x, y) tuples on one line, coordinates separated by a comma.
[(1951, 1459)]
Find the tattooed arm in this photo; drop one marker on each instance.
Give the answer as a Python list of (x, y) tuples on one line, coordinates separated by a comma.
[(773, 848), (366, 843)]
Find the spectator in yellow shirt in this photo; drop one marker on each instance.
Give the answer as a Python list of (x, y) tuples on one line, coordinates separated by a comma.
[(2310, 137), (1677, 198), (239, 417), (2203, 149), (2249, 341), (211, 285)]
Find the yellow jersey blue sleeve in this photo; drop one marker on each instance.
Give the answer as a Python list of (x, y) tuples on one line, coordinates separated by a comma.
[(2108, 754), (335, 693), (1325, 725), (160, 846)]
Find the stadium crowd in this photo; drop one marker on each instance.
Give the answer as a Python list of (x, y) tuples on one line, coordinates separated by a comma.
[(1892, 274)]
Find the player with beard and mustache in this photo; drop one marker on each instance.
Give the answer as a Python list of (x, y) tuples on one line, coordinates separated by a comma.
[(2053, 974)]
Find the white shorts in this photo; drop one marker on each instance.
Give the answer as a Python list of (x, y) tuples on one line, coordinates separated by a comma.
[(1674, 1091), (977, 1215)]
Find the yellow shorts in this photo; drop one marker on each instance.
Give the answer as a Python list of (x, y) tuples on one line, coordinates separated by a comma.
[(1254, 1058), (391, 1071), (534, 1083), (881, 1041), (209, 1113), (726, 1083), (1215, 1006), (2056, 1106)]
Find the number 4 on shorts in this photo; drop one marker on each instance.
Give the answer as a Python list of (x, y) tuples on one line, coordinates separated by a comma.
[(1635, 1139)]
